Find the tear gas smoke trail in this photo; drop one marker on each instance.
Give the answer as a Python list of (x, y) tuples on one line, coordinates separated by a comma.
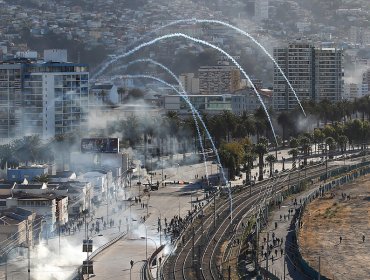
[(202, 42), (200, 118), (189, 103), (165, 68), (194, 20), (191, 106)]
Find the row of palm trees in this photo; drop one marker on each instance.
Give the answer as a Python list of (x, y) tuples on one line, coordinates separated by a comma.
[(343, 124), (327, 141)]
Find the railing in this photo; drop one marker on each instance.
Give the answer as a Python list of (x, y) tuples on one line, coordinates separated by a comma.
[(147, 273), (355, 172), (189, 222), (76, 275)]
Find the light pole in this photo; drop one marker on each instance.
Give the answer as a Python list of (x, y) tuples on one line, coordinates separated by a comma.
[(326, 163), (231, 204), (179, 205)]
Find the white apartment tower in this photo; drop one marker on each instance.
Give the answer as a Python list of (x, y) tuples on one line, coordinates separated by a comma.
[(46, 99), (55, 98)]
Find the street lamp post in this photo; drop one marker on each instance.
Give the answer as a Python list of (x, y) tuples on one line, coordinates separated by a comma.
[(231, 204), (179, 205)]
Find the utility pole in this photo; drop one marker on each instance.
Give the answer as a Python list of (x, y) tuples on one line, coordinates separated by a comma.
[(59, 233), (267, 257), (231, 205), (29, 250), (299, 173), (284, 264), (191, 201), (257, 239), (193, 245), (214, 211), (6, 266)]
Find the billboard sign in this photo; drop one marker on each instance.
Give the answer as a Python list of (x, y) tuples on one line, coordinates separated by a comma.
[(100, 145)]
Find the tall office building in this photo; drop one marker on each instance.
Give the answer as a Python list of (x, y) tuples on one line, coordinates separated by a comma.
[(46, 99), (315, 74), (218, 79)]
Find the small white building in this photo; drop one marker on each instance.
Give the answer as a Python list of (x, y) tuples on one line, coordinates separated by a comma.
[(246, 100)]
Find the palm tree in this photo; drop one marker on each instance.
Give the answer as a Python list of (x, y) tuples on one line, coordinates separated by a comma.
[(131, 130), (231, 123), (271, 159), (218, 128), (7, 158), (173, 123), (27, 149), (342, 141), (294, 153), (246, 126), (260, 149), (305, 147), (293, 143), (317, 137), (262, 122), (329, 141), (284, 121), (121, 91)]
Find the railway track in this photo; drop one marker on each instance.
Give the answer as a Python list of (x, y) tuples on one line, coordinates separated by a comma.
[(197, 257)]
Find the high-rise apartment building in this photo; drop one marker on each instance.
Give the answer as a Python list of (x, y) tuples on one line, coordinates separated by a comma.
[(190, 83), (10, 100), (47, 99), (315, 74), (55, 98), (328, 74), (366, 82), (218, 79)]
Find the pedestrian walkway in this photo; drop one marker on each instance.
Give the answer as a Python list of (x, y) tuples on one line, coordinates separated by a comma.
[(278, 241)]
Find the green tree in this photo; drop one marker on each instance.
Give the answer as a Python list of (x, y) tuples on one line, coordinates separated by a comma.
[(271, 160), (294, 153), (305, 144), (342, 142), (260, 149), (284, 121), (318, 137), (330, 142)]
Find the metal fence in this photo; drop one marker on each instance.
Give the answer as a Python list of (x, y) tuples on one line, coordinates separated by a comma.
[(351, 173)]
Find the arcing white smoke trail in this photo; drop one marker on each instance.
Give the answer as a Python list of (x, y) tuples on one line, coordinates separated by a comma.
[(148, 60), (194, 20), (202, 42), (200, 118)]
